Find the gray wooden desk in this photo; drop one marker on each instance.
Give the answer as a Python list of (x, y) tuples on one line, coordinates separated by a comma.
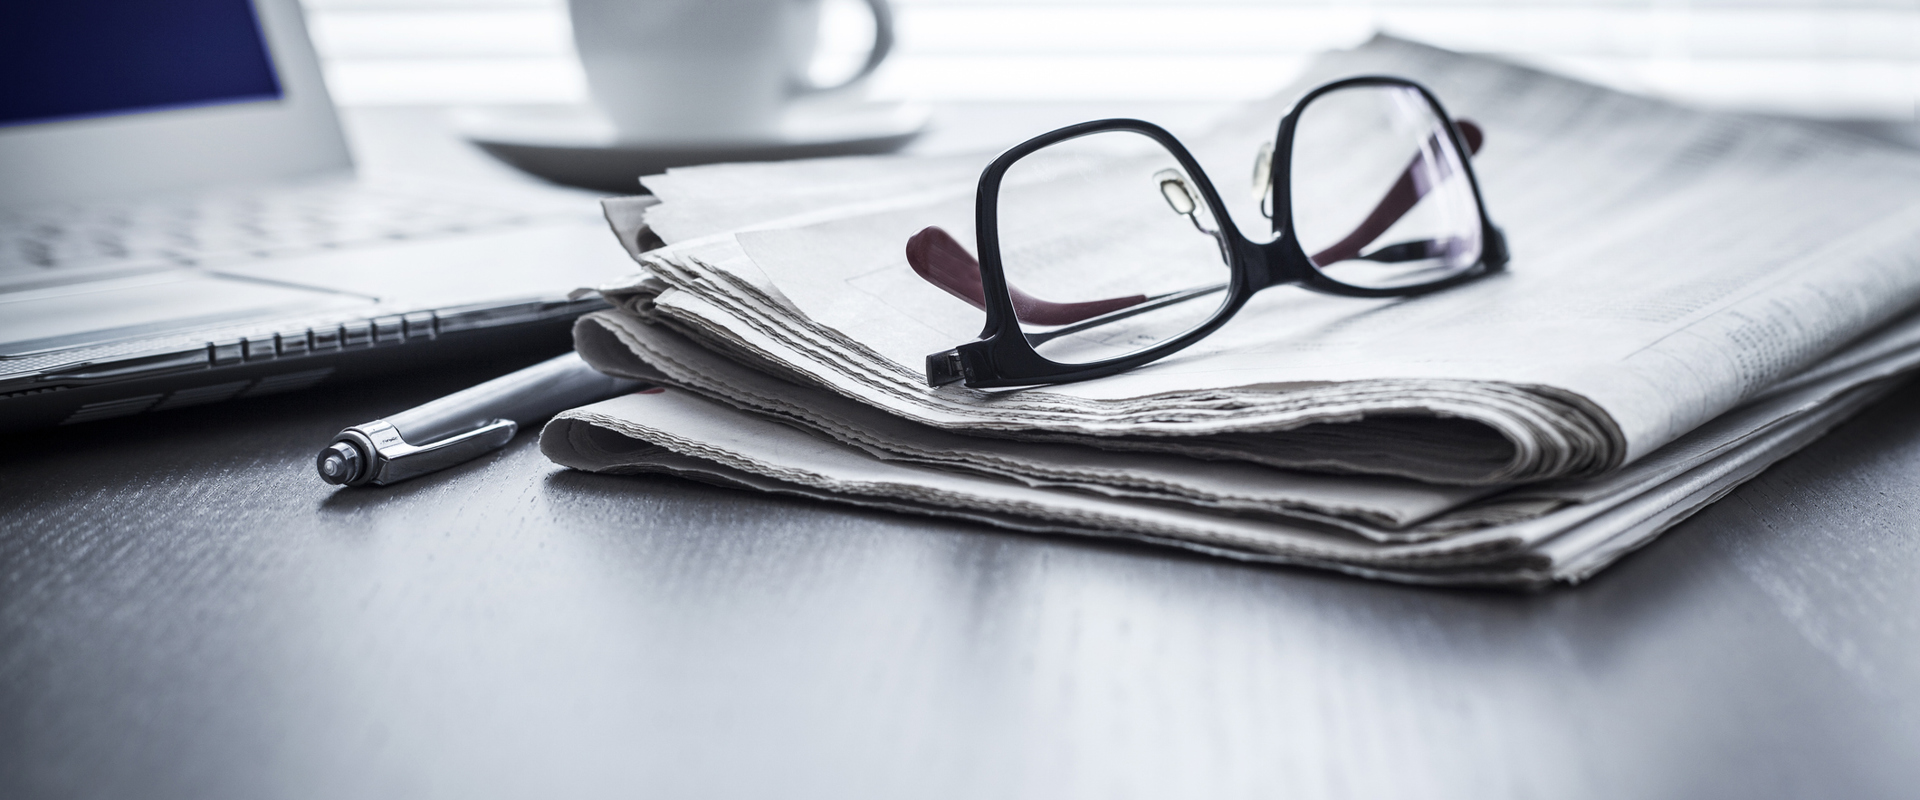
[(187, 612)]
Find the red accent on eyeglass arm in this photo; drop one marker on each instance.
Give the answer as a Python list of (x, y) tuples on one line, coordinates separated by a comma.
[(1399, 200), (1470, 131), (946, 263)]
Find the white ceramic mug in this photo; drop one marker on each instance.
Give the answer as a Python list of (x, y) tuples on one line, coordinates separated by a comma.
[(699, 71)]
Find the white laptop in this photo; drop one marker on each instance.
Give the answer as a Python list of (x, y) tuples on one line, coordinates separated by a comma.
[(180, 223)]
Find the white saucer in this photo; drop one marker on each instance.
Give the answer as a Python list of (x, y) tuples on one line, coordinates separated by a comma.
[(576, 145)]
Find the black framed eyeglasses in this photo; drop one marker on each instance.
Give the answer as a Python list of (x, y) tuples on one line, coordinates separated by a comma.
[(1103, 246)]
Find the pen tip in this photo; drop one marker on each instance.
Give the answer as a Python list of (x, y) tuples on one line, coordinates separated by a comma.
[(339, 463)]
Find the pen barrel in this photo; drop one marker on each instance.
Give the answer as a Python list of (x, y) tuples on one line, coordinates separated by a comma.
[(525, 397)]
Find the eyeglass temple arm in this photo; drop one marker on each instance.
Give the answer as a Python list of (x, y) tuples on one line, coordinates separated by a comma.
[(940, 260), (945, 263), (1399, 200)]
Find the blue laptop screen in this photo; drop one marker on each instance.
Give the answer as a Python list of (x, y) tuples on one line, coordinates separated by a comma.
[(68, 59)]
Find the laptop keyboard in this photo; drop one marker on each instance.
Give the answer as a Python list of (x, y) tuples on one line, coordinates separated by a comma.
[(236, 225)]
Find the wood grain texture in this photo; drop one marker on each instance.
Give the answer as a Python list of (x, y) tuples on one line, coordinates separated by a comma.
[(186, 611)]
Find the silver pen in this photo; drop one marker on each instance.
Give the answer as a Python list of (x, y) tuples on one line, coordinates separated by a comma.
[(463, 425)]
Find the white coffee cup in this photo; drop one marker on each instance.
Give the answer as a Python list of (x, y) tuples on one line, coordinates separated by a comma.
[(703, 71)]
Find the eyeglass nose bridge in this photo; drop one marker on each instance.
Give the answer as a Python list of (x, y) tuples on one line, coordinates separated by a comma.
[(1274, 263)]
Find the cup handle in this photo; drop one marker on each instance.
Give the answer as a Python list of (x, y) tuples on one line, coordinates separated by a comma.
[(882, 45)]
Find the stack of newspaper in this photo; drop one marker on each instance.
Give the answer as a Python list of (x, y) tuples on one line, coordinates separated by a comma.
[(1693, 296)]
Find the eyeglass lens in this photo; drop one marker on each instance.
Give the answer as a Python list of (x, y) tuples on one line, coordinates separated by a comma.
[(1108, 247), (1380, 198)]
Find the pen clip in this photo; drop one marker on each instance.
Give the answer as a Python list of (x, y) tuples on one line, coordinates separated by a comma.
[(394, 459)]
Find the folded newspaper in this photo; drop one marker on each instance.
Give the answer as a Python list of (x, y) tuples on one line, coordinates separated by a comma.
[(1693, 296)]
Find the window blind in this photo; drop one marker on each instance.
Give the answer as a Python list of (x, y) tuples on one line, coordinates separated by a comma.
[(1832, 58)]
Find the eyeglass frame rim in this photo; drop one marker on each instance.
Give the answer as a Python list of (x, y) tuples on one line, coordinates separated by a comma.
[(1002, 357)]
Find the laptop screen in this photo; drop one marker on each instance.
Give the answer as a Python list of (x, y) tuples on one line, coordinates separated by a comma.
[(74, 59)]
